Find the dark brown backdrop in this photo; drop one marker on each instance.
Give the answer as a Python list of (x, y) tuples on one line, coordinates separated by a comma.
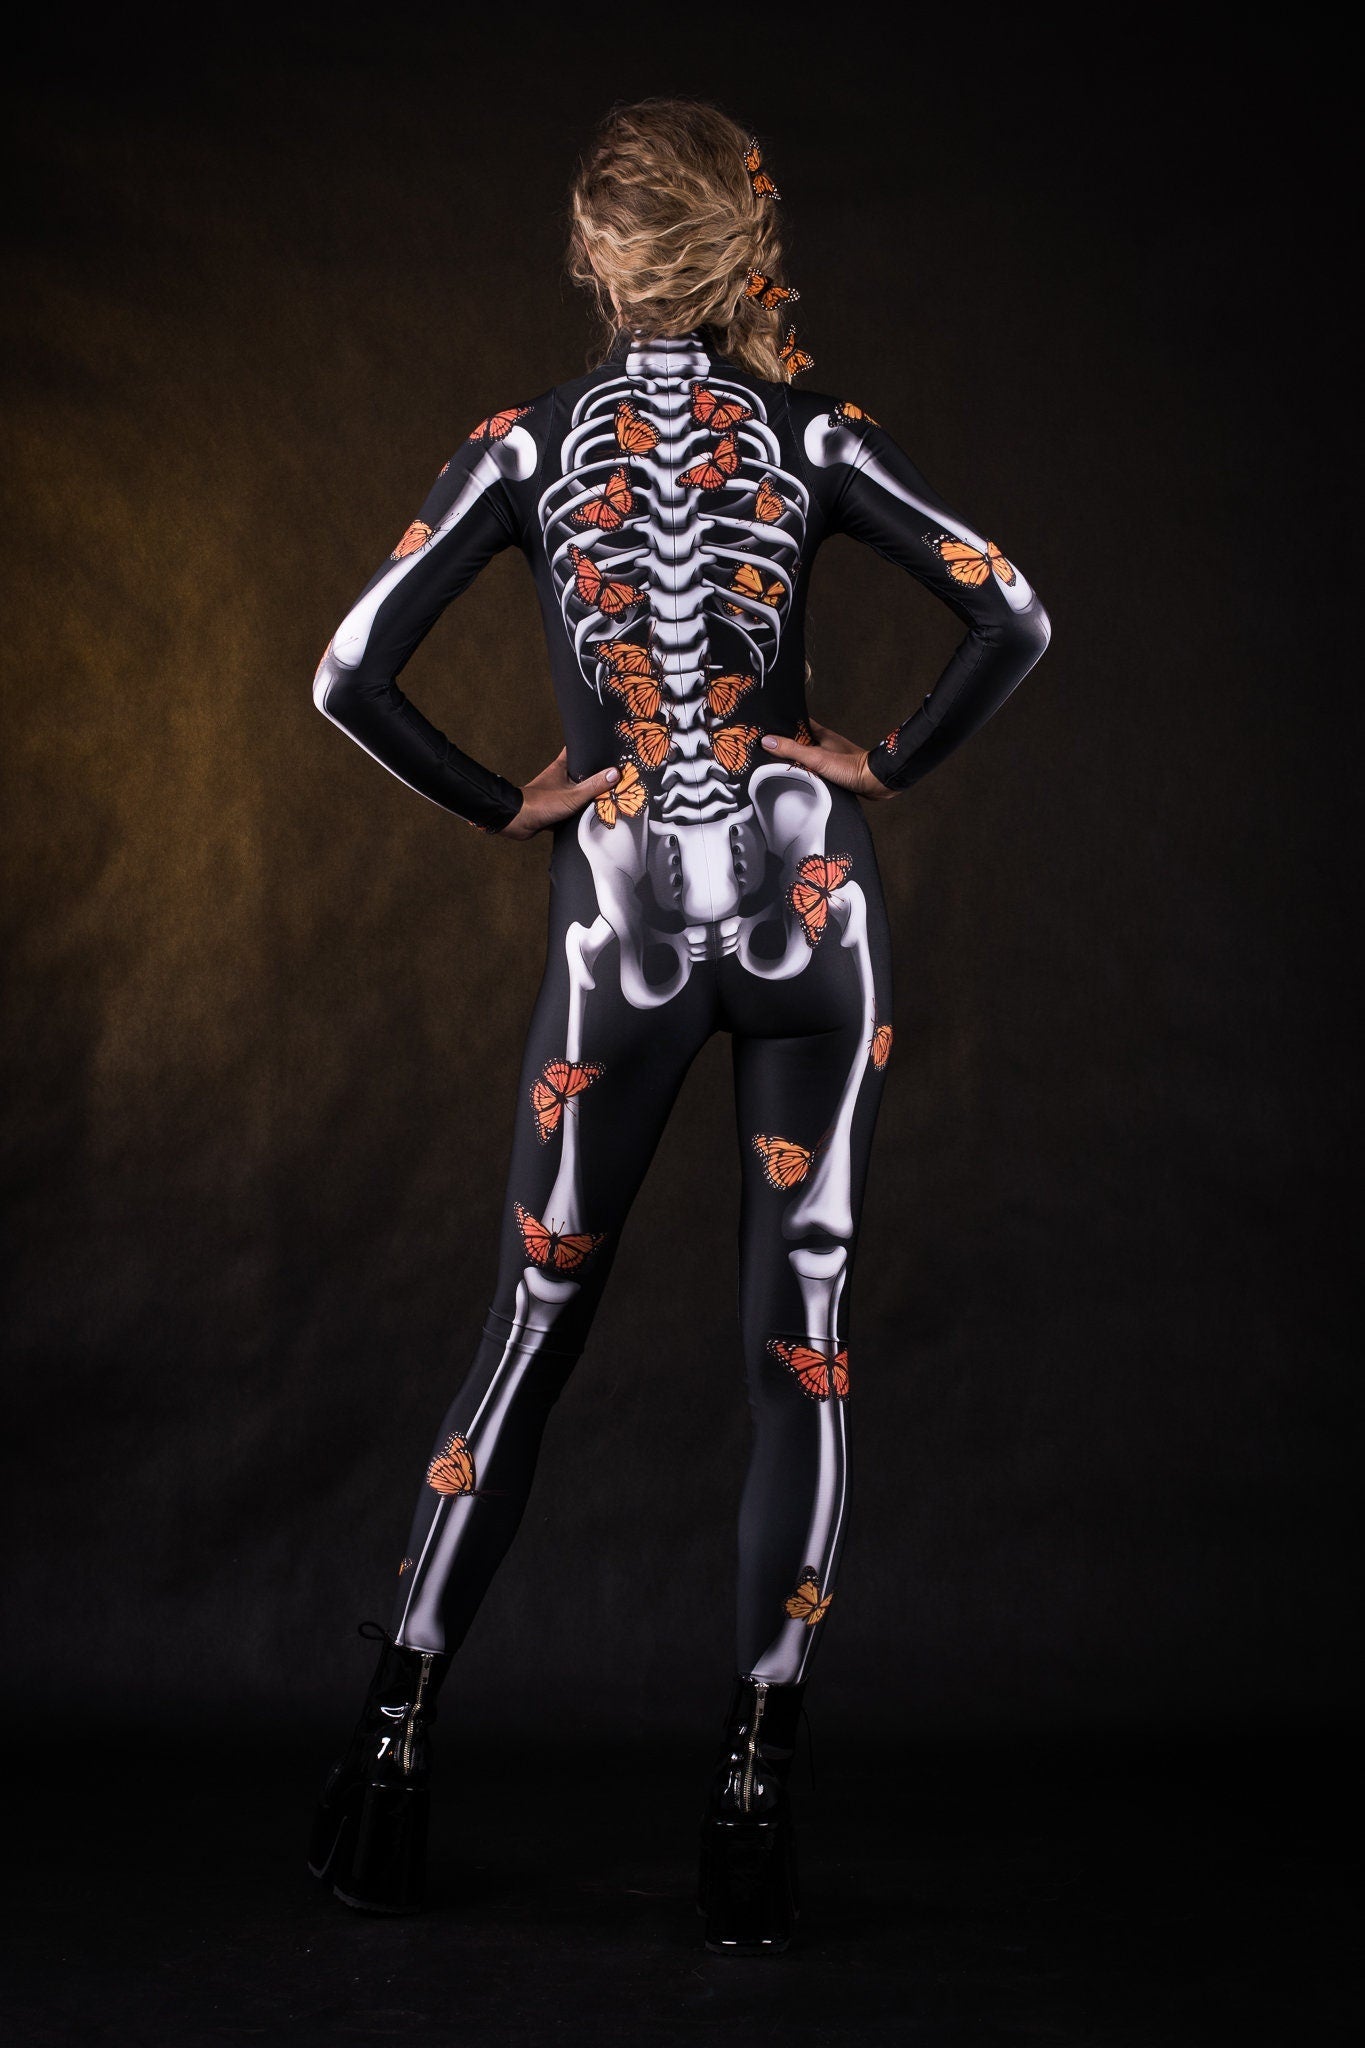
[(262, 1052)]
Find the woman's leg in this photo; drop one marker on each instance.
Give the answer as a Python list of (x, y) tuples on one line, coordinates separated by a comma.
[(599, 1076), (807, 1092)]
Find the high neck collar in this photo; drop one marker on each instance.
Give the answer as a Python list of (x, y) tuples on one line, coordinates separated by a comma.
[(663, 344)]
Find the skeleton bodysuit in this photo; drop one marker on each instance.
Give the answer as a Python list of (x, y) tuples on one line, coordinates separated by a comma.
[(670, 505)]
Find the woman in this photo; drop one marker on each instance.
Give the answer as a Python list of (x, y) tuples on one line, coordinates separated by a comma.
[(711, 870)]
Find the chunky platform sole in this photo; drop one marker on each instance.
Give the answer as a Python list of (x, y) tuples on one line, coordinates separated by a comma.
[(748, 1887), (376, 1858)]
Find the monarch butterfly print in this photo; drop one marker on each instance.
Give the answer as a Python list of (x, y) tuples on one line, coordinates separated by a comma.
[(805, 1604), (817, 878), (611, 598), (405, 1566), (793, 359), (625, 799), (558, 1082), (845, 414), (630, 673), (881, 1046), (768, 292), (892, 740), (720, 414), (763, 185), (769, 504), (785, 1163), (441, 471), (748, 582), (633, 433), (649, 739), (499, 425), (562, 1251), (451, 1472), (724, 692), (817, 1374), (715, 469), (417, 536), (733, 746), (969, 565), (803, 735), (610, 508)]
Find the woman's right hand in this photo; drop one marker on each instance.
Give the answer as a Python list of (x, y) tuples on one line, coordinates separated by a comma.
[(551, 796)]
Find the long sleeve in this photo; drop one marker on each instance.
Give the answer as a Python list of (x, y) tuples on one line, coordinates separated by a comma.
[(463, 524), (886, 503)]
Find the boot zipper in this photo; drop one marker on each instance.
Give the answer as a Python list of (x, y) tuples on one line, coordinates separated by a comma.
[(761, 1700), (405, 1761)]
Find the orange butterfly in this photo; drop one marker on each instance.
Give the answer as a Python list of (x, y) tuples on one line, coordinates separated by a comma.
[(763, 185), (805, 1603), (892, 740), (803, 735), (633, 433), (441, 471), (845, 412), (768, 503), (969, 565), (768, 292), (749, 583), (452, 1471), (785, 1163), (417, 536), (650, 739), (732, 746), (714, 469), (720, 414), (558, 1082), (724, 692), (610, 508), (794, 360), (499, 424), (565, 1251), (638, 685), (595, 588), (819, 1376), (405, 1566), (881, 1046), (625, 799), (817, 877)]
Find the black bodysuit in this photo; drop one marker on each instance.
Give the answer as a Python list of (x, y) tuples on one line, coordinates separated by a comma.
[(670, 505)]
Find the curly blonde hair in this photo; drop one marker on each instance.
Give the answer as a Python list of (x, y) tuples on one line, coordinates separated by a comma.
[(667, 223)]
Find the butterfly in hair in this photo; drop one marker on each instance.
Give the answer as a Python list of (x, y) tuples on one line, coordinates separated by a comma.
[(558, 1082), (794, 360), (819, 1375), (763, 185), (768, 292), (499, 425)]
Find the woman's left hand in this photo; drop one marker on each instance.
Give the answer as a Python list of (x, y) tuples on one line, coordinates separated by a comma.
[(834, 757)]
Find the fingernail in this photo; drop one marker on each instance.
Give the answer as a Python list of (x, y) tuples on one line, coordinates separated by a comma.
[(770, 742), (613, 775)]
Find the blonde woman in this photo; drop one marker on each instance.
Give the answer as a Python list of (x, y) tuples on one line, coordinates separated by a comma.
[(712, 871)]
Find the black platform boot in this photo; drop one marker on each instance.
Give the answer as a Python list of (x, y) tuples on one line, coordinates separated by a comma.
[(748, 1886), (369, 1836)]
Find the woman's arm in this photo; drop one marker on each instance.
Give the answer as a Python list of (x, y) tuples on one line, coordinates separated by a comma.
[(465, 521), (885, 502)]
